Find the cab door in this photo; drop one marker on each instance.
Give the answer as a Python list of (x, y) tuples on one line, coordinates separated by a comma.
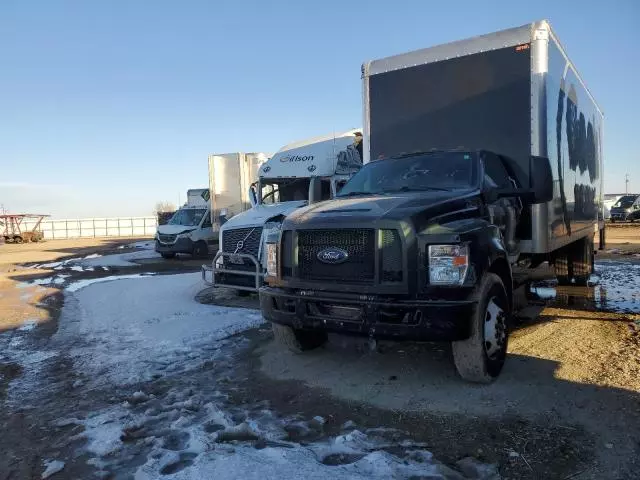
[(206, 233)]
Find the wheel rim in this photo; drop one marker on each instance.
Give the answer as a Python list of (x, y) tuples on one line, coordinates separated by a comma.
[(495, 332)]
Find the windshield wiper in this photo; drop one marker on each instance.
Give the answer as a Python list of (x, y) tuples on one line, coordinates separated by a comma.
[(417, 189), (356, 194)]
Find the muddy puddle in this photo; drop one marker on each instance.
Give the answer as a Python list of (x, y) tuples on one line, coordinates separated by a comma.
[(614, 287)]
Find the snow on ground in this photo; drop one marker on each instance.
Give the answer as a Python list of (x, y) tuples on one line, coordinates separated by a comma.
[(145, 244), (51, 468), (85, 282), (130, 330), (201, 441), (121, 259), (125, 335), (134, 327), (142, 251)]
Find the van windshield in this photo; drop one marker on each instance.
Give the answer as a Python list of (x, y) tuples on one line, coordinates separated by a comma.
[(189, 217), (626, 201), (424, 171)]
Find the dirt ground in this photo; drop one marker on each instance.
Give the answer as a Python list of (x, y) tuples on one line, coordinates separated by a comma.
[(567, 404)]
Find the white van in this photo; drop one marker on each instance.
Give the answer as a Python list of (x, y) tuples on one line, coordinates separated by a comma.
[(189, 230)]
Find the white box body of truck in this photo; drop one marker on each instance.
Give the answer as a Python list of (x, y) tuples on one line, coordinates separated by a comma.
[(514, 92)]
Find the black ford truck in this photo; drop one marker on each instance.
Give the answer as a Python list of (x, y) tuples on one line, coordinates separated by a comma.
[(427, 240)]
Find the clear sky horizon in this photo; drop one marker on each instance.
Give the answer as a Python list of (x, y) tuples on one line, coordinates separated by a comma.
[(108, 107)]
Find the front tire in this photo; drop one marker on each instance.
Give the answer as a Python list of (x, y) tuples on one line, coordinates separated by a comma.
[(296, 340), (480, 357), (200, 249)]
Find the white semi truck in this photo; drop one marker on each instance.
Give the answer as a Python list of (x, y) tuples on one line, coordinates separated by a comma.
[(194, 228), (283, 186)]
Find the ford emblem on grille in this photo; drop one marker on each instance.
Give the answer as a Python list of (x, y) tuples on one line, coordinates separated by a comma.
[(333, 255)]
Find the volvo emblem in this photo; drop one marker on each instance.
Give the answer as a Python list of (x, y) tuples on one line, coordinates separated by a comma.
[(239, 246), (332, 255)]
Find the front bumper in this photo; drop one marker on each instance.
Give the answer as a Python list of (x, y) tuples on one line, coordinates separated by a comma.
[(620, 216), (181, 245), (368, 315), (247, 279)]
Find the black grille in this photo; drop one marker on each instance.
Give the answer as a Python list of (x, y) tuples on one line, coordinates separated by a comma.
[(287, 253), (250, 238), (391, 256), (163, 238), (359, 267)]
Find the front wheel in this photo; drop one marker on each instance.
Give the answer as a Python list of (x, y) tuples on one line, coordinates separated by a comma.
[(480, 357), (200, 249), (296, 340)]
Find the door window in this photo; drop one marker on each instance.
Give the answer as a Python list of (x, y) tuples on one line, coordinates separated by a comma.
[(496, 174)]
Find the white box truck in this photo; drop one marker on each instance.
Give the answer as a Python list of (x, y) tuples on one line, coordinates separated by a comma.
[(483, 160), (283, 186)]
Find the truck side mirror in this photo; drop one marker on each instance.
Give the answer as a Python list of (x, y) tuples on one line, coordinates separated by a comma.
[(540, 179), (315, 190), (253, 195)]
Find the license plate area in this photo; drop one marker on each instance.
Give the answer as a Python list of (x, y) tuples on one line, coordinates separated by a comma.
[(347, 313), (236, 260)]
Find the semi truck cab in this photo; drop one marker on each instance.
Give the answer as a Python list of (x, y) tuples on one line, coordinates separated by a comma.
[(283, 186)]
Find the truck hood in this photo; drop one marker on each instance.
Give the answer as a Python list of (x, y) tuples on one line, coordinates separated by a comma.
[(259, 214), (174, 229), (403, 206)]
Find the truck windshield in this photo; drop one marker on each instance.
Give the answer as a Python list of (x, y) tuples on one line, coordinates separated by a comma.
[(276, 190), (427, 171), (189, 217), (625, 202)]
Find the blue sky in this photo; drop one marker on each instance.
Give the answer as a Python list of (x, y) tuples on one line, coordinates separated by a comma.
[(107, 107)]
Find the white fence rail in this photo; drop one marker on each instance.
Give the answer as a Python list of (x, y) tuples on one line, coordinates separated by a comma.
[(96, 227)]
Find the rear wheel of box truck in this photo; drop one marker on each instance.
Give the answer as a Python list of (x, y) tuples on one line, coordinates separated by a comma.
[(480, 358), (573, 264), (297, 340), (583, 261)]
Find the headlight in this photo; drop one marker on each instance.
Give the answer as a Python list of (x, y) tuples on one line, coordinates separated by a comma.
[(272, 259), (448, 264)]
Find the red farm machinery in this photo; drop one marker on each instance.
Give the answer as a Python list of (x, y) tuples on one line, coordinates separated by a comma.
[(21, 228)]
